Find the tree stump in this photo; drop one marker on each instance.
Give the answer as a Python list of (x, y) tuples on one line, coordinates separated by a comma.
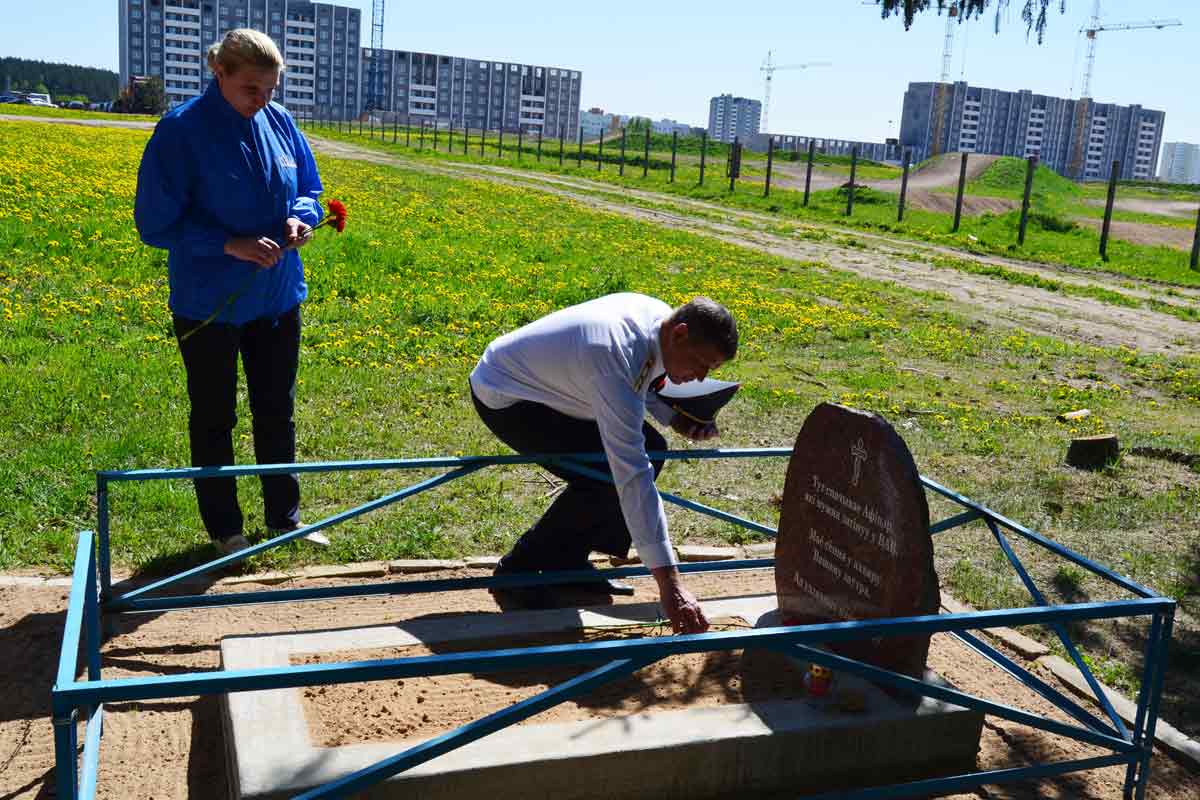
[(1093, 452)]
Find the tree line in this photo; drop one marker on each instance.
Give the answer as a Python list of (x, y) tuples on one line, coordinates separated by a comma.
[(60, 81)]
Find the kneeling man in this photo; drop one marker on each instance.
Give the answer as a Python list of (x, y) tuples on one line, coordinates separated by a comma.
[(577, 381)]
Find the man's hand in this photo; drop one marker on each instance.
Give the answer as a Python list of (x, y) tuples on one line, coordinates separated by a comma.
[(298, 233), (679, 604), (255, 249), (696, 431)]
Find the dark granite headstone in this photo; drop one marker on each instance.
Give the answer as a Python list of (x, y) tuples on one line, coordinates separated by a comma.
[(854, 534)]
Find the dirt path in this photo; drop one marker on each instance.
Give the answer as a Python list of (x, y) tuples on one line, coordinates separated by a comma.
[(91, 123), (1144, 205), (173, 749), (986, 299), (1144, 232)]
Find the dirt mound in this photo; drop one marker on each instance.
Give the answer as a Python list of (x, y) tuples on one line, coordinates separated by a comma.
[(944, 203)]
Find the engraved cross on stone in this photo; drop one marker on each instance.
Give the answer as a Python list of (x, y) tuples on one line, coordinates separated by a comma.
[(859, 452)]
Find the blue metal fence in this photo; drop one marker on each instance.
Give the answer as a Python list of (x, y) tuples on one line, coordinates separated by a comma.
[(72, 698)]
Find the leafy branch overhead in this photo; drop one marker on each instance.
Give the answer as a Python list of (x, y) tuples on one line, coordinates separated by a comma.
[(1033, 12)]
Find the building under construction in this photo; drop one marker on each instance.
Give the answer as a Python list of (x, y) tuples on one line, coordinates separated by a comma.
[(1077, 138)]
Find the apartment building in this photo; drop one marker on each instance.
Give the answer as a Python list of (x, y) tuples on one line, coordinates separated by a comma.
[(328, 71), (1180, 163), (1077, 138), (467, 92), (319, 42), (730, 117)]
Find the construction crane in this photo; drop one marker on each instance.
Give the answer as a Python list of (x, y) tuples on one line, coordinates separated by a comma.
[(1083, 108), (375, 69), (1095, 27), (769, 67), (948, 42)]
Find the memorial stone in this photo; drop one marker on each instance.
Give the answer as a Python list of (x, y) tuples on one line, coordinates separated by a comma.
[(854, 535)]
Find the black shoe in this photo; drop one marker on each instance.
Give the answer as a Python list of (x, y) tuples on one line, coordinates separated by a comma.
[(518, 598), (608, 586)]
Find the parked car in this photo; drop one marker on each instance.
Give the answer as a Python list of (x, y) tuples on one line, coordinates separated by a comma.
[(8, 98), (76, 104)]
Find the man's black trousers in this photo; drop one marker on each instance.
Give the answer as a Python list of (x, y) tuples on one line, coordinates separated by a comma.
[(586, 515), (270, 350)]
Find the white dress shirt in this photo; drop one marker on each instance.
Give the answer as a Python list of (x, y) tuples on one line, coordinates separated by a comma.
[(594, 361)]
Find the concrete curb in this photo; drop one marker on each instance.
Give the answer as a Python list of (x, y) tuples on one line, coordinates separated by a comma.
[(375, 569)]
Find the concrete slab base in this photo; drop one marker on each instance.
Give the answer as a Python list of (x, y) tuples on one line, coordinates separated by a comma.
[(791, 747)]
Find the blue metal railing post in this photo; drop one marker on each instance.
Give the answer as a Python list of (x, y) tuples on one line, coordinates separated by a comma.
[(66, 742), (1159, 671)]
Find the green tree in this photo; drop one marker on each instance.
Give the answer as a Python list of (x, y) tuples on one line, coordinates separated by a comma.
[(143, 96), (1033, 13)]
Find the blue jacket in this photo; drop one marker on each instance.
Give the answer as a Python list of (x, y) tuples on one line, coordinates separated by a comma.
[(208, 174)]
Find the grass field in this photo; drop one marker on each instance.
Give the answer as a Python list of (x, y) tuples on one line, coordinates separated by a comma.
[(431, 268), (1050, 237)]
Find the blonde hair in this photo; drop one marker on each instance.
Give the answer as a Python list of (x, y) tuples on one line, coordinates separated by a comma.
[(244, 47)]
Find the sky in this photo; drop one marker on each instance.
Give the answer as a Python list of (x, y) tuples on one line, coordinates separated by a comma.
[(666, 60)]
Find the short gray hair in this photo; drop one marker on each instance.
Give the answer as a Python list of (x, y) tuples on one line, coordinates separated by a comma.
[(711, 323)]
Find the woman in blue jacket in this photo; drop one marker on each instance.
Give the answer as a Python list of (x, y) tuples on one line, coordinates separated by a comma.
[(228, 187)]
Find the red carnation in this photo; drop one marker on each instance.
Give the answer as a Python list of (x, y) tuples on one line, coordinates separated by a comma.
[(337, 215)]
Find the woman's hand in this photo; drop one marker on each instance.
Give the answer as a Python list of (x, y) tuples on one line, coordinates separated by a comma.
[(298, 233), (255, 249)]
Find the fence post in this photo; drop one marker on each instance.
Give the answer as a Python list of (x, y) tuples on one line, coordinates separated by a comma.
[(360, 123), (770, 157), (407, 130), (1029, 170), (1196, 244), (812, 144), (1108, 209), (735, 159), (339, 122), (435, 134), (466, 137), (395, 120), (904, 184), (370, 126), (450, 136), (703, 148), (962, 182), (850, 191), (500, 142), (421, 139), (520, 140), (579, 156), (646, 153), (539, 155), (562, 140), (621, 170), (600, 153), (674, 143)]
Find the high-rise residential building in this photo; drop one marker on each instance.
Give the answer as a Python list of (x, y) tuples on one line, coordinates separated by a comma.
[(1180, 163), (730, 117), (328, 70), (468, 92), (319, 43), (1077, 138)]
